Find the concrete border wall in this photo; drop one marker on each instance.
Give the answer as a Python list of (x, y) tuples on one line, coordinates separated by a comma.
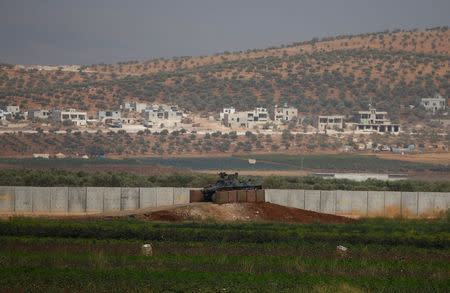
[(147, 197), (129, 198), (6, 198), (19, 199), (59, 199), (364, 203)]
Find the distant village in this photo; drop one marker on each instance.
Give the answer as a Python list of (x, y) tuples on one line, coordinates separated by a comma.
[(160, 116)]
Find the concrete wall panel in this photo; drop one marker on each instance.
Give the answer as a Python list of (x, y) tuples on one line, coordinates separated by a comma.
[(359, 203), (112, 199), (164, 196), (312, 200), (7, 198), (441, 202), (409, 204), (392, 203), (77, 199), (181, 195), (41, 199), (59, 199), (343, 202), (129, 198), (94, 199), (23, 199), (279, 196), (426, 204), (147, 197), (375, 204), (328, 201), (270, 193), (296, 198)]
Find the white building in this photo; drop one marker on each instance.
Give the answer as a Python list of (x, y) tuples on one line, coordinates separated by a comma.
[(134, 106), (169, 115), (435, 103), (38, 114), (77, 117), (42, 156), (230, 110), (335, 122), (375, 121), (11, 109), (285, 113), (247, 119), (2, 115), (109, 115)]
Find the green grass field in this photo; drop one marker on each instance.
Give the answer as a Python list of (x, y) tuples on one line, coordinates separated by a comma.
[(384, 256), (339, 162)]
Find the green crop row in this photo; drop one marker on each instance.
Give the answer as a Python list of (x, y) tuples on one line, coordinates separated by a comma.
[(347, 162), (384, 256), (363, 268), (387, 233), (39, 279), (293, 249)]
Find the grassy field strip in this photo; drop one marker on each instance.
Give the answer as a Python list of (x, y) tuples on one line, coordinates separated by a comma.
[(291, 249), (428, 235), (371, 268), (344, 162), (394, 255), (116, 280)]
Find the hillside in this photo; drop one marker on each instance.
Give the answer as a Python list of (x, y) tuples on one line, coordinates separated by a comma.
[(332, 75)]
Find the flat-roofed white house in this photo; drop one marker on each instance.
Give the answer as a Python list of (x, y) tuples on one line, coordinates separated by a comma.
[(38, 114), (285, 113), (169, 115), (334, 122), (375, 121), (229, 110), (11, 109), (109, 115), (247, 119), (77, 117), (436, 103), (134, 106)]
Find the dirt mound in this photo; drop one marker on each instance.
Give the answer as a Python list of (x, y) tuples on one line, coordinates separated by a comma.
[(238, 212)]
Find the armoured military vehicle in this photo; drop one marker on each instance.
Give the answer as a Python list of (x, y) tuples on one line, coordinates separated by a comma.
[(228, 182)]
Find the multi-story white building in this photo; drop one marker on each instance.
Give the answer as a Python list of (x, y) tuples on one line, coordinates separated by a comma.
[(38, 114), (134, 106), (11, 109), (375, 121), (285, 113), (246, 118), (77, 117), (335, 122), (230, 110), (438, 102), (169, 115), (103, 116)]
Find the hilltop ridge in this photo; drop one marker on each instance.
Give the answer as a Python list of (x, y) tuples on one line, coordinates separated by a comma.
[(331, 75)]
